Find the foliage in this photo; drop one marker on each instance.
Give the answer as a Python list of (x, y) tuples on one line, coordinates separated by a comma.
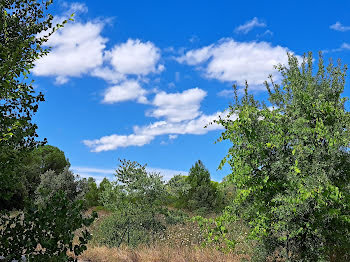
[(92, 193), (45, 233), (216, 231), (202, 194), (136, 199), (178, 188), (39, 161), (24, 27), (105, 183), (66, 181), (290, 162), (50, 158)]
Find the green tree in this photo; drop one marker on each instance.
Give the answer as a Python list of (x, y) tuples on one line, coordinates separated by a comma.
[(290, 163), (39, 161), (136, 199), (105, 183), (24, 27), (66, 181), (178, 188), (203, 192), (92, 194)]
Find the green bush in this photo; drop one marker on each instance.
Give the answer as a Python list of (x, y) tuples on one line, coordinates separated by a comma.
[(45, 233)]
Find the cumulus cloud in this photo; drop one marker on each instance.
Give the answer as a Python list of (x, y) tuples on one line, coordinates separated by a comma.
[(76, 49), (177, 107), (112, 142), (108, 74), (145, 134), (339, 27), (135, 57), (79, 49), (196, 56), (249, 25), (128, 90), (232, 61), (132, 59)]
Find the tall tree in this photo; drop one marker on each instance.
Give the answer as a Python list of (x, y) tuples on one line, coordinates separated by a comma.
[(92, 194), (39, 161), (136, 199), (24, 27), (202, 193), (290, 162)]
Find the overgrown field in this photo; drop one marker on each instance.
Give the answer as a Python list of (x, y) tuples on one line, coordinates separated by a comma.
[(182, 242)]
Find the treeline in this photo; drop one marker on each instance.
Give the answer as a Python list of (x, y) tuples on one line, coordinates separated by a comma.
[(142, 204), (46, 170)]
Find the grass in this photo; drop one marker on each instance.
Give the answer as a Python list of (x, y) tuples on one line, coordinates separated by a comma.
[(158, 254), (181, 243)]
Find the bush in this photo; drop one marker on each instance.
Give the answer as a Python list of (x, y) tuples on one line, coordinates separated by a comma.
[(45, 233), (290, 163)]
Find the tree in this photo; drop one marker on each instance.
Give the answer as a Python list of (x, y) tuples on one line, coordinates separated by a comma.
[(92, 194), (24, 27), (66, 181), (105, 183), (178, 188), (39, 161), (136, 199), (202, 193), (290, 162)]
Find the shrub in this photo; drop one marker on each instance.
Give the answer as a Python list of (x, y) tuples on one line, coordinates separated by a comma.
[(45, 233)]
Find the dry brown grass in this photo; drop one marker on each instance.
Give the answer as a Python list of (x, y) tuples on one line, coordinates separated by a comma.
[(158, 254)]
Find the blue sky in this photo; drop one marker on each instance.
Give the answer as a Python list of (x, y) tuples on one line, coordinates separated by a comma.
[(140, 79)]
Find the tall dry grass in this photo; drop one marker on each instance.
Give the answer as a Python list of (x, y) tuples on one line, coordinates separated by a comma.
[(158, 254), (180, 243)]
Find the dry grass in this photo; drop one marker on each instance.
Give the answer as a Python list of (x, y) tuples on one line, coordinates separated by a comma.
[(181, 243), (158, 254)]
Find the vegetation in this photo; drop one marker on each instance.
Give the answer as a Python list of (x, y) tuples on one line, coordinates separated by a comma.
[(20, 24), (290, 164), (287, 197), (136, 200), (202, 194), (45, 231)]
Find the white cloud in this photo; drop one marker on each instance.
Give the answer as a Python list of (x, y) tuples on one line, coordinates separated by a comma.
[(171, 137), (232, 61), (345, 46), (108, 75), (81, 169), (76, 49), (135, 57), (112, 142), (74, 7), (99, 173), (339, 27), (145, 134), (197, 56), (167, 174), (128, 90), (249, 25), (177, 107), (226, 93)]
